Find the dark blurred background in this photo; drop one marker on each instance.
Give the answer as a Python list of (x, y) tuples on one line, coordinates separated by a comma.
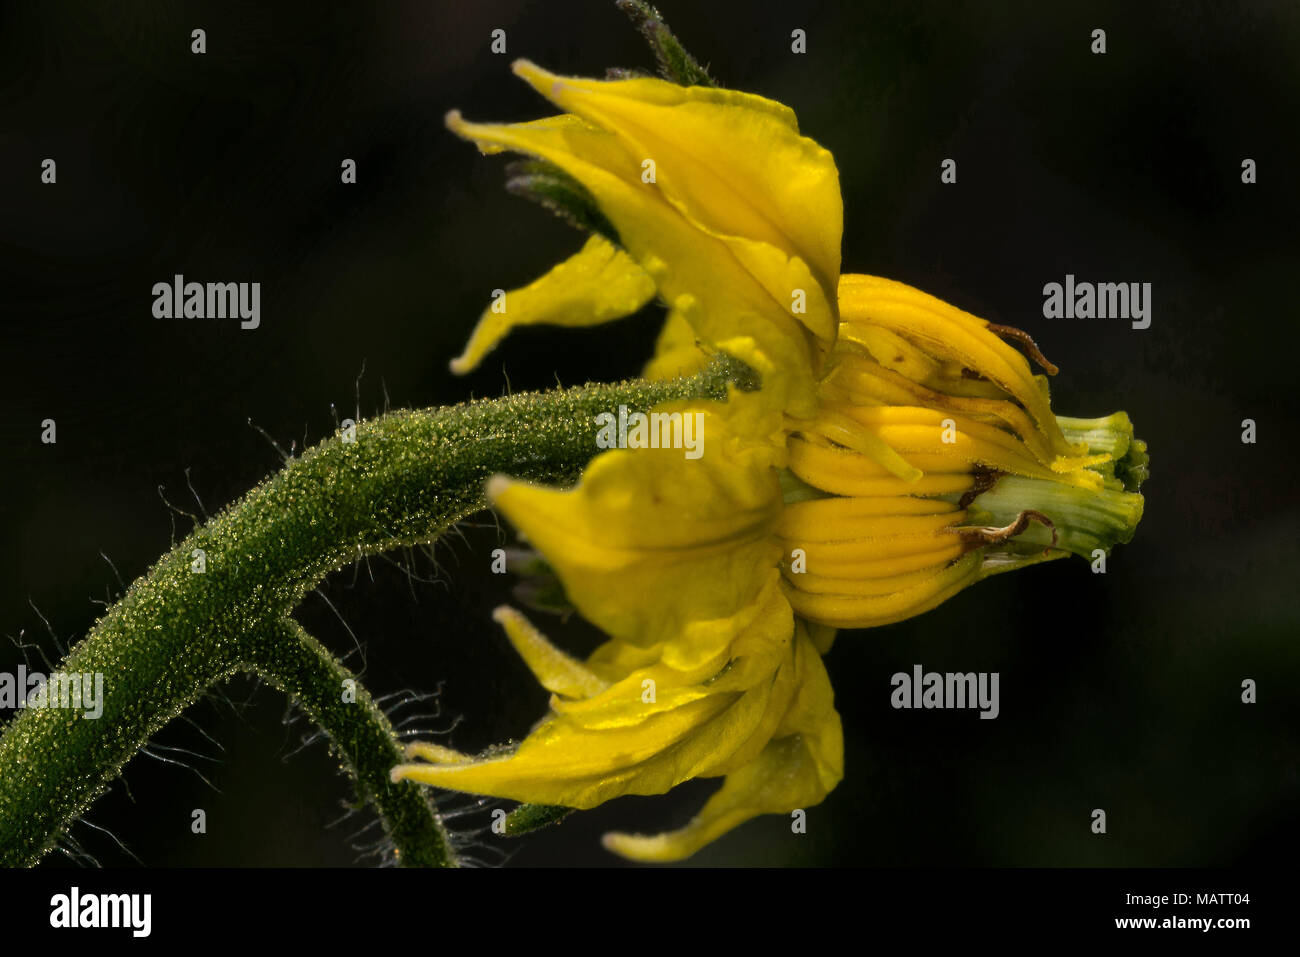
[(1119, 691)]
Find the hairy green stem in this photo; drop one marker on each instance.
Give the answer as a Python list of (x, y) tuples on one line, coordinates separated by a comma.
[(300, 666), (205, 611)]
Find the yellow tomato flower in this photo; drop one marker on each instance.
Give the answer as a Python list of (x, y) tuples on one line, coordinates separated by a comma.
[(855, 488)]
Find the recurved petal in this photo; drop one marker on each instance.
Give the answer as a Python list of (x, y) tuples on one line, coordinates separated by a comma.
[(566, 763), (597, 284), (648, 732), (640, 736), (705, 277), (731, 161), (794, 771), (555, 670)]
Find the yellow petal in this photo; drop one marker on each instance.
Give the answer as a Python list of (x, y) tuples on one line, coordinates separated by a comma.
[(697, 273), (649, 540), (677, 350), (733, 162), (794, 771), (556, 671), (598, 283), (643, 735), (704, 645), (563, 763)]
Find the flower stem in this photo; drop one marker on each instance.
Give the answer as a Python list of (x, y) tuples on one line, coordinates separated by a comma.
[(300, 666), (218, 604)]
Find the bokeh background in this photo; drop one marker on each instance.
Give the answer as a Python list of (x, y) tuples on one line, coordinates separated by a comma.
[(1119, 691)]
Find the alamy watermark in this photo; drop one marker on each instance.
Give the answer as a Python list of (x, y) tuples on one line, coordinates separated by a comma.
[(930, 689), (179, 299), (133, 912), (656, 430), (73, 691), (1102, 300)]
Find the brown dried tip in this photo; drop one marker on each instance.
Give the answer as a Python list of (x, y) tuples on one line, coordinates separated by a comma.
[(1026, 342), (985, 479)]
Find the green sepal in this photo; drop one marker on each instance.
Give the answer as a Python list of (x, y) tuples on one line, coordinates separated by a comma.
[(675, 63), (533, 817), (547, 184)]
